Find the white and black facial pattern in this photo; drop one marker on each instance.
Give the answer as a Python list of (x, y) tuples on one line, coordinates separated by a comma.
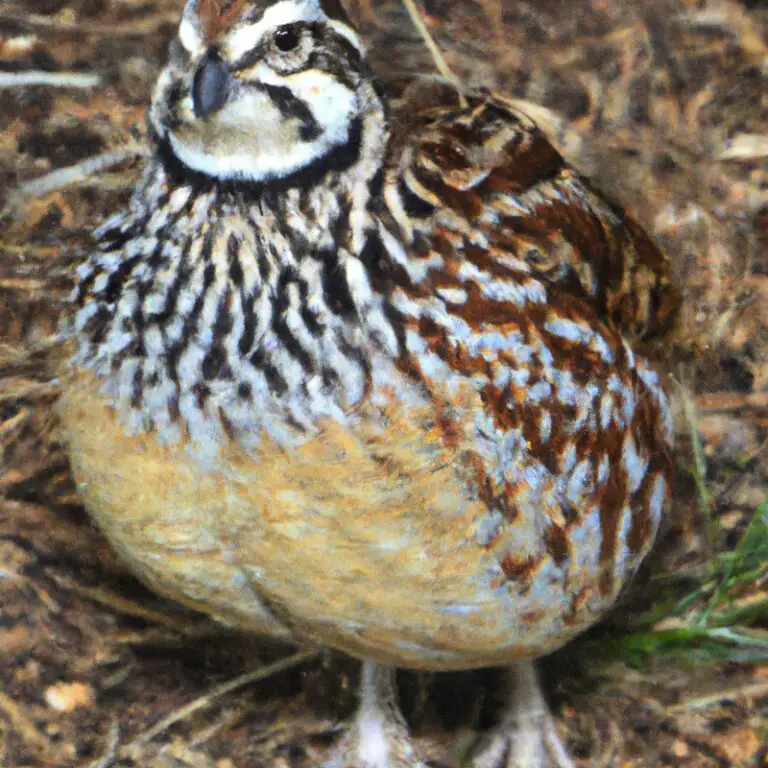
[(258, 91)]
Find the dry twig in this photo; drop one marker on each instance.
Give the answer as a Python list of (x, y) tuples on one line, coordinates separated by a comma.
[(50, 79), (202, 702), (72, 174), (122, 604), (110, 749), (434, 51), (23, 725), (750, 691)]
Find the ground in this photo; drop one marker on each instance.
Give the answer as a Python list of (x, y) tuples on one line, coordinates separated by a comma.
[(665, 104)]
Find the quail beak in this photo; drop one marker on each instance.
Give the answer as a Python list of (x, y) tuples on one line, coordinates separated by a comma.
[(211, 85)]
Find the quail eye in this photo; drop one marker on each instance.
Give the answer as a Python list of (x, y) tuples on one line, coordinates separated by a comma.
[(286, 38)]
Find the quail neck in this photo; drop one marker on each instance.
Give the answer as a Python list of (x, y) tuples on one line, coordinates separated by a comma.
[(233, 297)]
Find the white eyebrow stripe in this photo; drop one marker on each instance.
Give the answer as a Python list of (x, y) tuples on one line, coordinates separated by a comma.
[(190, 38), (243, 40), (347, 33)]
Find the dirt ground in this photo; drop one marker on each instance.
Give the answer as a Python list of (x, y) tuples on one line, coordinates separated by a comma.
[(665, 104)]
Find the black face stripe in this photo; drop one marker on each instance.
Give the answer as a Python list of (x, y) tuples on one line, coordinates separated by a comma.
[(335, 56), (338, 160), (251, 58), (292, 107)]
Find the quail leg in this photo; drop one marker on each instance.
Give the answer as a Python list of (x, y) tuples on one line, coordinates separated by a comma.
[(526, 736), (379, 737)]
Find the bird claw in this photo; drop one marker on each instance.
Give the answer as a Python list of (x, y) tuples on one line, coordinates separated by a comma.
[(527, 736), (530, 743), (374, 746), (379, 736)]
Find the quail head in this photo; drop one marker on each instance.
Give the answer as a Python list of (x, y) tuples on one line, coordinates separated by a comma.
[(367, 373)]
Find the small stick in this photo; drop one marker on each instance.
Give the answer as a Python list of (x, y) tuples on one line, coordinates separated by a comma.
[(437, 56), (202, 702), (52, 79), (84, 29), (745, 147), (72, 174), (122, 605), (750, 691), (23, 725), (713, 402), (110, 751)]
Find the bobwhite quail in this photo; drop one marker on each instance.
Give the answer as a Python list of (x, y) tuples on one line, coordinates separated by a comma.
[(368, 375)]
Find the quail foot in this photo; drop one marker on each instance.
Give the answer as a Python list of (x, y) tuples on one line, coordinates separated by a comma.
[(378, 738), (526, 736)]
